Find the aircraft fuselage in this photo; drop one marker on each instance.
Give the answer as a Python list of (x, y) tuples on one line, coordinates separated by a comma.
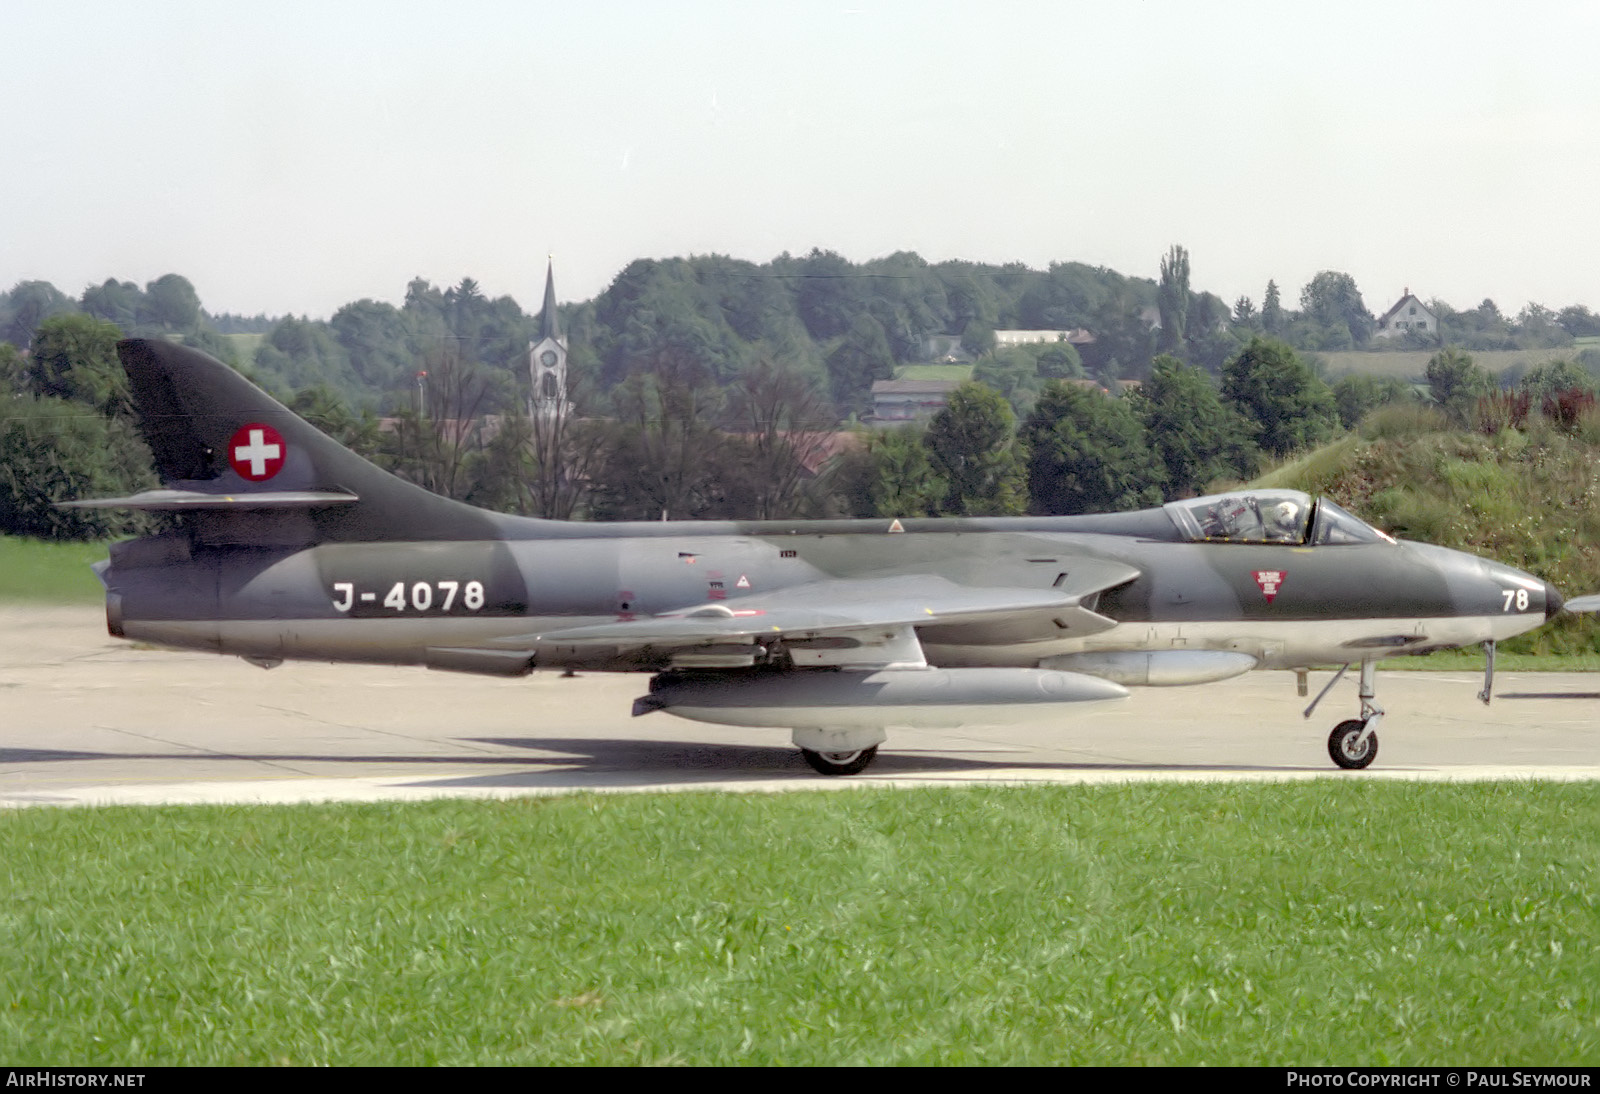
[(393, 602)]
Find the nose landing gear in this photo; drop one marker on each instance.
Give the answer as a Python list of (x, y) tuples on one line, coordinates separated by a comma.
[(1353, 744)]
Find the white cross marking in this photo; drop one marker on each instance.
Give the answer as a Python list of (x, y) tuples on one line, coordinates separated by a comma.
[(257, 453)]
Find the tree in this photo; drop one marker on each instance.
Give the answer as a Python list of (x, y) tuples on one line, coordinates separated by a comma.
[(1087, 453), (433, 444), (1195, 436), (890, 475), (1272, 317), (973, 446), (1014, 373), (786, 428), (1554, 377), (1284, 402), (829, 297), (172, 303), (322, 407), (860, 359), (1358, 394), (1332, 300), (119, 302), (379, 340), (977, 338), (1579, 321), (664, 454), (1210, 342), (1059, 361), (74, 356), (28, 304), (300, 353), (568, 453), (13, 371), (50, 451), (1455, 383), (1173, 298)]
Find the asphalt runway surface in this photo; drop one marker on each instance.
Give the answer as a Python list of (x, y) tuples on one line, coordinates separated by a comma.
[(88, 719)]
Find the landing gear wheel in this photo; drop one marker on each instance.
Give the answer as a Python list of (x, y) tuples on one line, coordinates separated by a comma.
[(840, 763), (1344, 750)]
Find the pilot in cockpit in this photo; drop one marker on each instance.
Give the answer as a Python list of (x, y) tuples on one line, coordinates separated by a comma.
[(1281, 521)]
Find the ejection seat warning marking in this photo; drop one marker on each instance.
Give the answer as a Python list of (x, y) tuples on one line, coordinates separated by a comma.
[(419, 596), (1270, 581), (256, 452)]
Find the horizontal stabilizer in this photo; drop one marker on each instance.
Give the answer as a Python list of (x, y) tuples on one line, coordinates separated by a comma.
[(186, 500)]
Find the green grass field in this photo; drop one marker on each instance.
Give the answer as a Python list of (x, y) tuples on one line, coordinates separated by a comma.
[(1341, 921), (1411, 364), (959, 373), (49, 573)]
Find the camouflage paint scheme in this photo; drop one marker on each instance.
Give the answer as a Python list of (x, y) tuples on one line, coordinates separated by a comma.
[(289, 546)]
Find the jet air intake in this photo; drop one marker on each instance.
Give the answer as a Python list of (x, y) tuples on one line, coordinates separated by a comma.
[(920, 698)]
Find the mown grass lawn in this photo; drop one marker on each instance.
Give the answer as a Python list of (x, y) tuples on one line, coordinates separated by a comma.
[(34, 571), (1339, 921)]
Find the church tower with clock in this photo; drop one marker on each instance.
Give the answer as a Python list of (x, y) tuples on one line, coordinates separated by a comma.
[(547, 359)]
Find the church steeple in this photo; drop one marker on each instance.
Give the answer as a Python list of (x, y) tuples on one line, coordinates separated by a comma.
[(550, 318), (547, 358)]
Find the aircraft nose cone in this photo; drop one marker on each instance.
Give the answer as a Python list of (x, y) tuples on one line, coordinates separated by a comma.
[(1552, 600)]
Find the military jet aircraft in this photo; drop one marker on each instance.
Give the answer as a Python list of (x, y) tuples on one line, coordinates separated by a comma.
[(287, 545)]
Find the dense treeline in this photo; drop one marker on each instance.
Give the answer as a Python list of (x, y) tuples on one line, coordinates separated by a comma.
[(713, 387)]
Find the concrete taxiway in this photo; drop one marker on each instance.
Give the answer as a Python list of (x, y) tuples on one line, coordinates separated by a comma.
[(86, 719)]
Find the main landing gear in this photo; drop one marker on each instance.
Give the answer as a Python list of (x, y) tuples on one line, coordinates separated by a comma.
[(1353, 744), (839, 763), (841, 751)]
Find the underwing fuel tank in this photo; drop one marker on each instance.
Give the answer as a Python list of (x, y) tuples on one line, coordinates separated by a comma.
[(921, 698)]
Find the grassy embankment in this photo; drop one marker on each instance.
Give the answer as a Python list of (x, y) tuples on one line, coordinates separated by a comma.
[(1337, 922)]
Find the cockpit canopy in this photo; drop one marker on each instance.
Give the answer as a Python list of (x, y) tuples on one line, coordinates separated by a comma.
[(1269, 516)]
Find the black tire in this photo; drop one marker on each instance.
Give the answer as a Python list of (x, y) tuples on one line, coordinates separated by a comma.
[(840, 763), (1342, 745)]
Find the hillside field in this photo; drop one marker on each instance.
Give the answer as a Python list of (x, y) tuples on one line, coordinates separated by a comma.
[(1410, 364)]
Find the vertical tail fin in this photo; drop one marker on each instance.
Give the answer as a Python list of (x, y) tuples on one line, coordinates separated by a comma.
[(248, 469)]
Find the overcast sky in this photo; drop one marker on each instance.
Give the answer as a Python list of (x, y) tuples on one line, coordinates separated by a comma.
[(293, 157)]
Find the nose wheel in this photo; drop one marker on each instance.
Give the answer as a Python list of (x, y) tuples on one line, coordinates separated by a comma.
[(1349, 747)]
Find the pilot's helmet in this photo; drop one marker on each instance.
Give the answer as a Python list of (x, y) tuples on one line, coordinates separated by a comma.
[(1283, 517)]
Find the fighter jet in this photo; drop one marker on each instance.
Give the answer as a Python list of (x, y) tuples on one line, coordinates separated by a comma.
[(285, 545)]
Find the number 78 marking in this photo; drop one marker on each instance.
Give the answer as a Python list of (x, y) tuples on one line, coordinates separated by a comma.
[(1519, 595)]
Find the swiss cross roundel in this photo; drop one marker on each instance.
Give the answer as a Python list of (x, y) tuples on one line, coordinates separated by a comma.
[(256, 452)]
